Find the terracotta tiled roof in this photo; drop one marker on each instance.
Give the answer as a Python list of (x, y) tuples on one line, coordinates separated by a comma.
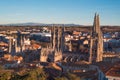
[(36, 46), (76, 33), (3, 44), (114, 71), (92, 74), (104, 66)]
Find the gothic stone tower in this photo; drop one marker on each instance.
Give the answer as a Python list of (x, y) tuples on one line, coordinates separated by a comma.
[(96, 42), (53, 54)]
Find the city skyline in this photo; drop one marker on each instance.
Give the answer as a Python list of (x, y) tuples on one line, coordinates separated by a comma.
[(59, 11)]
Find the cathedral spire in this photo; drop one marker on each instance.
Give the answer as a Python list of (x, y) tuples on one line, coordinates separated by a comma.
[(96, 43), (54, 38), (96, 25), (58, 40)]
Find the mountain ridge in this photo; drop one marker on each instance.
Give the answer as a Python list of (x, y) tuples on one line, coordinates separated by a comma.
[(38, 24)]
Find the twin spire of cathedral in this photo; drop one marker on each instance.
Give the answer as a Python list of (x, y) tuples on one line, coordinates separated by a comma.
[(96, 24), (96, 43)]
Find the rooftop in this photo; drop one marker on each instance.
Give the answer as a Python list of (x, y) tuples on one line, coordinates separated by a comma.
[(114, 71)]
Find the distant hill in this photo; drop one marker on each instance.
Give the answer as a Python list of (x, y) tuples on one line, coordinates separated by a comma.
[(39, 24), (43, 24)]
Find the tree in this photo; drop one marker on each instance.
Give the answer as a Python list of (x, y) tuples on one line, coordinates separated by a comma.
[(73, 77), (5, 75), (61, 78), (36, 74), (1, 68), (33, 74)]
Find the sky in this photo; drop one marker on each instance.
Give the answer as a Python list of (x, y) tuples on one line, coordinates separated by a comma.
[(60, 11)]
